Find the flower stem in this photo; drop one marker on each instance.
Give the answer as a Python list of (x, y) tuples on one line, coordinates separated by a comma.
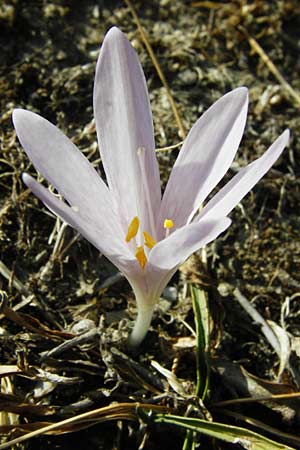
[(141, 325)]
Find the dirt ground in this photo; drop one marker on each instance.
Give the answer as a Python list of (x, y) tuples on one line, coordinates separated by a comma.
[(56, 287)]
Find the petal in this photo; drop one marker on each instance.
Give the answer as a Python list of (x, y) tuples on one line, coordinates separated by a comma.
[(205, 157), (176, 248), (98, 234), (124, 125), (61, 163), (233, 192)]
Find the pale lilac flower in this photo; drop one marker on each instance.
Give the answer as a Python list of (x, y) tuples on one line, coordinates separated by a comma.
[(145, 236)]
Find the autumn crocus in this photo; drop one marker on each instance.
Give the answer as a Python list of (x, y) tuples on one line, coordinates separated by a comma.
[(145, 235)]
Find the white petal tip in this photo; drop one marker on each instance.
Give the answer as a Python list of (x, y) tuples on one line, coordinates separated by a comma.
[(241, 93), (17, 114), (238, 99), (226, 222), (21, 116), (114, 33), (26, 178), (286, 134), (282, 141)]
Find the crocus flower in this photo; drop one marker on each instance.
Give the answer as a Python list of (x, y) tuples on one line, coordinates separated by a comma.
[(145, 235)]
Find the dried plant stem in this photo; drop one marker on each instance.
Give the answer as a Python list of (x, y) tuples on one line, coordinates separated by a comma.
[(262, 398), (170, 147), (121, 411), (271, 66), (27, 296), (208, 5), (158, 68)]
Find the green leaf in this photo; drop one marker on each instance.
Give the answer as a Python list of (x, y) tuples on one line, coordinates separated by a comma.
[(201, 312), (189, 441), (228, 433)]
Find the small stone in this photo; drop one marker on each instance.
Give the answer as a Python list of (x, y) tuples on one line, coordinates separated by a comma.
[(83, 326), (225, 289), (170, 293)]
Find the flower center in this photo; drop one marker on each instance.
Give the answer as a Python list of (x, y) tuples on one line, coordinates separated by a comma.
[(148, 240)]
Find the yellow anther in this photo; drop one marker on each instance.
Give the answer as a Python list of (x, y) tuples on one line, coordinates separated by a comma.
[(132, 229), (149, 241), (168, 223), (141, 256)]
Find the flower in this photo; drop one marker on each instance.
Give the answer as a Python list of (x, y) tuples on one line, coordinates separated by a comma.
[(147, 237)]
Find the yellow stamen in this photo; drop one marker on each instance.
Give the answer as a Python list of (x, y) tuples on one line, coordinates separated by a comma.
[(168, 223), (132, 229), (149, 241), (141, 256)]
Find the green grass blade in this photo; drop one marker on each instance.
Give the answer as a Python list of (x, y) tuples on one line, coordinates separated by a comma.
[(228, 433), (189, 441), (201, 313)]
